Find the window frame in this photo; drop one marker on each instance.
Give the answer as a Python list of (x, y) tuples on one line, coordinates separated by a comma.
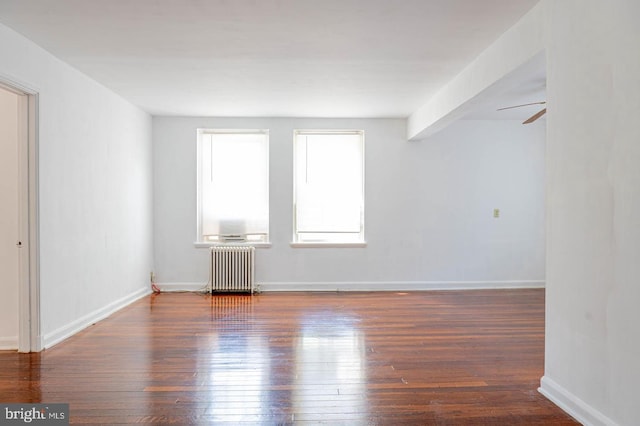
[(296, 242), (201, 242)]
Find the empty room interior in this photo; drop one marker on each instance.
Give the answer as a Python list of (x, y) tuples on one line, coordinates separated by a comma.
[(321, 212)]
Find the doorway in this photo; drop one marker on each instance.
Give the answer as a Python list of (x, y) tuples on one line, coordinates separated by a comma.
[(19, 284), (9, 220)]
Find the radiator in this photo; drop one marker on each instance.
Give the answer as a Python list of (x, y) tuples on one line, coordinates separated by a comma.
[(232, 269)]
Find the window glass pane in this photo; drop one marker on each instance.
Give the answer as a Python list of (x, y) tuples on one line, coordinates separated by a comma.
[(234, 184), (329, 186)]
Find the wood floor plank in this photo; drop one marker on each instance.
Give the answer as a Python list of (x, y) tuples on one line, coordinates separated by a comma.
[(454, 357)]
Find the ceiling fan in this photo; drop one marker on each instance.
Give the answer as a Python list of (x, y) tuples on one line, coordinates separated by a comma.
[(535, 116)]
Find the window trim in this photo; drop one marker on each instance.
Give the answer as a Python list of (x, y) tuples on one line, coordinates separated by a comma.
[(295, 242), (205, 244), (317, 244), (200, 242)]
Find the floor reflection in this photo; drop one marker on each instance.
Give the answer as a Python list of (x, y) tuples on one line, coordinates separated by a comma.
[(330, 371), (239, 366), (29, 375), (231, 310), (238, 379)]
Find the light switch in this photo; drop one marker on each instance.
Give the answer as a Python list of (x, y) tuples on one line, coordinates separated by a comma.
[(496, 213)]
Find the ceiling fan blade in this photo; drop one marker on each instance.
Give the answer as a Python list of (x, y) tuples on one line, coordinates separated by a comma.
[(518, 106), (535, 116)]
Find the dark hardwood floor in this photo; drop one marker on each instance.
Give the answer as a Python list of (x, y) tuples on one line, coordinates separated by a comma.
[(419, 358)]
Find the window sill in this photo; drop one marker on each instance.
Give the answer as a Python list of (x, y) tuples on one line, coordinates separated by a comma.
[(327, 245), (200, 244)]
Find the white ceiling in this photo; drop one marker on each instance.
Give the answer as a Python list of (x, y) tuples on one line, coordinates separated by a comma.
[(297, 58)]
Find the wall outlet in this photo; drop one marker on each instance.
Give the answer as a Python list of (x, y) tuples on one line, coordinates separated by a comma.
[(496, 213), (152, 277)]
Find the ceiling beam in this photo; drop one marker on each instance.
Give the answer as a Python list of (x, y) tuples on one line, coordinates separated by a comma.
[(494, 70)]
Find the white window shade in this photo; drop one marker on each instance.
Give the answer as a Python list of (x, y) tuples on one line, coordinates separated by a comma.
[(329, 186), (233, 185)]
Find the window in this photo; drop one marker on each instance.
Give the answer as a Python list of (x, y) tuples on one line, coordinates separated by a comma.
[(233, 186), (329, 186)]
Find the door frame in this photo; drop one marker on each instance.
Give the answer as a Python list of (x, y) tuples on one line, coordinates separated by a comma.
[(29, 327)]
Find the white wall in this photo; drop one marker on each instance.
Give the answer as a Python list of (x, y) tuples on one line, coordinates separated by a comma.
[(592, 362), (8, 220), (429, 207), (95, 217)]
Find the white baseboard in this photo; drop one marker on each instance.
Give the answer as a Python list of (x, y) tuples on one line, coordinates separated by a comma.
[(81, 323), (397, 285), (574, 406), (8, 343), (372, 285), (169, 287)]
